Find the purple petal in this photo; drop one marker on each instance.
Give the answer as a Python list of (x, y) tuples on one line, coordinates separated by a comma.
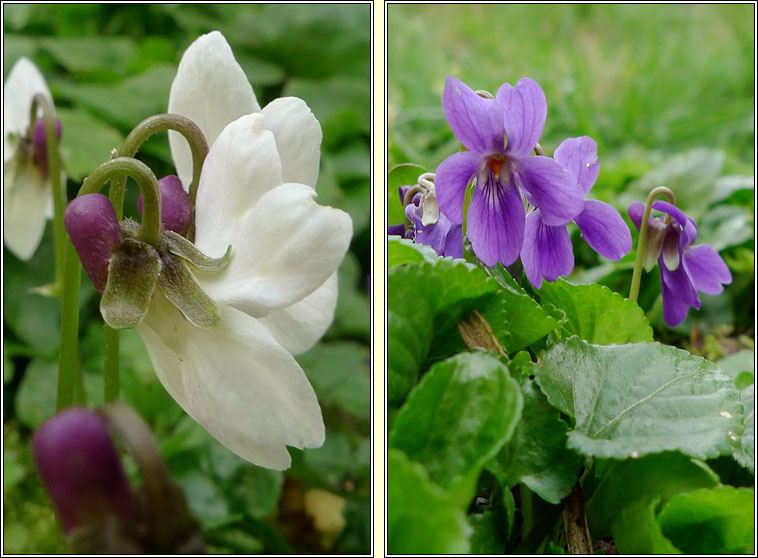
[(476, 122), (604, 230), (396, 230), (706, 268), (496, 222), (525, 110), (672, 210), (454, 242), (678, 292), (636, 211), (434, 234), (547, 252), (93, 228), (453, 175), (579, 156), (551, 188)]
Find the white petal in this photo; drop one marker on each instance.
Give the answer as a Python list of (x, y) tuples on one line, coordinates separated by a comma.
[(242, 165), (298, 327), (287, 246), (236, 381), (210, 89), (26, 197), (23, 83), (298, 138)]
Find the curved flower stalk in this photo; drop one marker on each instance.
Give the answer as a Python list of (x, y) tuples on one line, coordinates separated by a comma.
[(499, 135), (276, 297), (685, 269), (547, 252), (27, 192)]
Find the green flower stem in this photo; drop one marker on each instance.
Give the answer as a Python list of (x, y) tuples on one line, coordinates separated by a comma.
[(69, 371), (110, 364), (152, 226), (153, 125), (642, 244), (54, 167)]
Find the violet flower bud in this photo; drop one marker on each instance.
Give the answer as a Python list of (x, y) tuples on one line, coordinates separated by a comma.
[(39, 141), (94, 230), (175, 205), (81, 469)]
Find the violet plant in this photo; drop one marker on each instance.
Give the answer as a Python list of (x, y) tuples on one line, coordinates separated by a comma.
[(529, 414)]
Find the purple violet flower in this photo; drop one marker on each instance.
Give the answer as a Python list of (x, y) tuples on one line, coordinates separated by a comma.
[(547, 252), (685, 269), (442, 235), (500, 134)]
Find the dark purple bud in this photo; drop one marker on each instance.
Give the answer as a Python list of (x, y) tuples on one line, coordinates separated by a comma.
[(175, 205), (39, 140), (81, 469), (93, 227)]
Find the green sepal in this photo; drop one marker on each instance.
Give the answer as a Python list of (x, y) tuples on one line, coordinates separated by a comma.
[(180, 246), (656, 231), (132, 275), (183, 291)]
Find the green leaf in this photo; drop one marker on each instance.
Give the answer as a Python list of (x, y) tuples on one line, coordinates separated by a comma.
[(635, 531), (204, 498), (745, 454), (126, 103), (737, 363), (400, 175), (654, 477), (99, 54), (257, 490), (597, 314), (35, 400), (716, 520), (537, 454), (631, 400), (486, 537), (528, 322), (458, 417), (421, 517), (340, 375), (402, 250), (352, 315), (13, 469), (86, 141)]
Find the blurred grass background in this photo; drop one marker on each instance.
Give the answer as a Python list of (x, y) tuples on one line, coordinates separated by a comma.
[(667, 91), (109, 67)]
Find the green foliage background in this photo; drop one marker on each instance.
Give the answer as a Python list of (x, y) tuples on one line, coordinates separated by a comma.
[(109, 67)]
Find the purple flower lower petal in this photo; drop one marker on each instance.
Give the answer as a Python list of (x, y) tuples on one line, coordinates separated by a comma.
[(706, 268), (678, 292), (476, 122), (396, 230), (579, 156), (551, 188), (636, 211), (525, 110), (547, 252), (604, 230), (454, 242), (452, 177), (434, 234), (496, 222)]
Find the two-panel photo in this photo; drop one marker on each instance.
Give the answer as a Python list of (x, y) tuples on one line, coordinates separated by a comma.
[(378, 278)]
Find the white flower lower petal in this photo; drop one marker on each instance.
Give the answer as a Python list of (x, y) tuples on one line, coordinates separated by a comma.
[(242, 166), (26, 197), (23, 83), (298, 138), (298, 327), (211, 89), (236, 381), (287, 246)]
